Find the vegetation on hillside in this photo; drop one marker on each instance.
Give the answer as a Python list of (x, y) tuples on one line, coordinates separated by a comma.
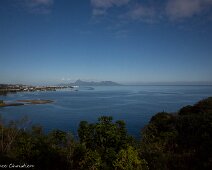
[(169, 142)]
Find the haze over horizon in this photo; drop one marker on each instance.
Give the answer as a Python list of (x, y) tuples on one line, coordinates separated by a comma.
[(125, 41)]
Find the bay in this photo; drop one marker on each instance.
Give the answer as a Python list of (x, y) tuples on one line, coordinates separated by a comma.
[(133, 104)]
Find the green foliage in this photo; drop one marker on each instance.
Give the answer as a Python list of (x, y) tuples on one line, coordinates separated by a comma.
[(128, 159), (91, 161), (180, 141), (158, 140), (106, 137), (36, 148), (201, 108), (58, 138)]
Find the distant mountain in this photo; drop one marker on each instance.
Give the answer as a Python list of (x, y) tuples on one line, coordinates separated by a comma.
[(92, 83)]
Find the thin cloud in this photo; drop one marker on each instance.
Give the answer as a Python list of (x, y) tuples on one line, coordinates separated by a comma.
[(173, 10), (41, 2), (152, 10), (182, 9), (108, 3), (38, 6), (141, 12), (100, 7), (97, 11)]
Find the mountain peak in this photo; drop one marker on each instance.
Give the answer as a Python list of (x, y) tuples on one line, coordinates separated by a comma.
[(92, 83)]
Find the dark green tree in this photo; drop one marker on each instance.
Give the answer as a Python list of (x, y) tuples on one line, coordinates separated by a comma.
[(128, 159), (106, 137)]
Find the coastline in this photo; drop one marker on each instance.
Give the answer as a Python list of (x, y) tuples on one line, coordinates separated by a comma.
[(24, 102)]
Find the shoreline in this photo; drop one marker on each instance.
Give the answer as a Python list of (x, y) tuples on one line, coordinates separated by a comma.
[(15, 88), (25, 102), (35, 101)]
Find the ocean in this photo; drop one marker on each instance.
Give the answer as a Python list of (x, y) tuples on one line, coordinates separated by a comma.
[(133, 104)]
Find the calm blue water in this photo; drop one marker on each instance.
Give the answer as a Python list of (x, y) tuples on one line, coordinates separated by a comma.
[(133, 104)]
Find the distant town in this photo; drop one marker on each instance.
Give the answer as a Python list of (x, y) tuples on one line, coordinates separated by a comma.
[(13, 88)]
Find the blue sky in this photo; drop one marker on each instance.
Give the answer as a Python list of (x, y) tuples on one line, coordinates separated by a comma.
[(127, 41)]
